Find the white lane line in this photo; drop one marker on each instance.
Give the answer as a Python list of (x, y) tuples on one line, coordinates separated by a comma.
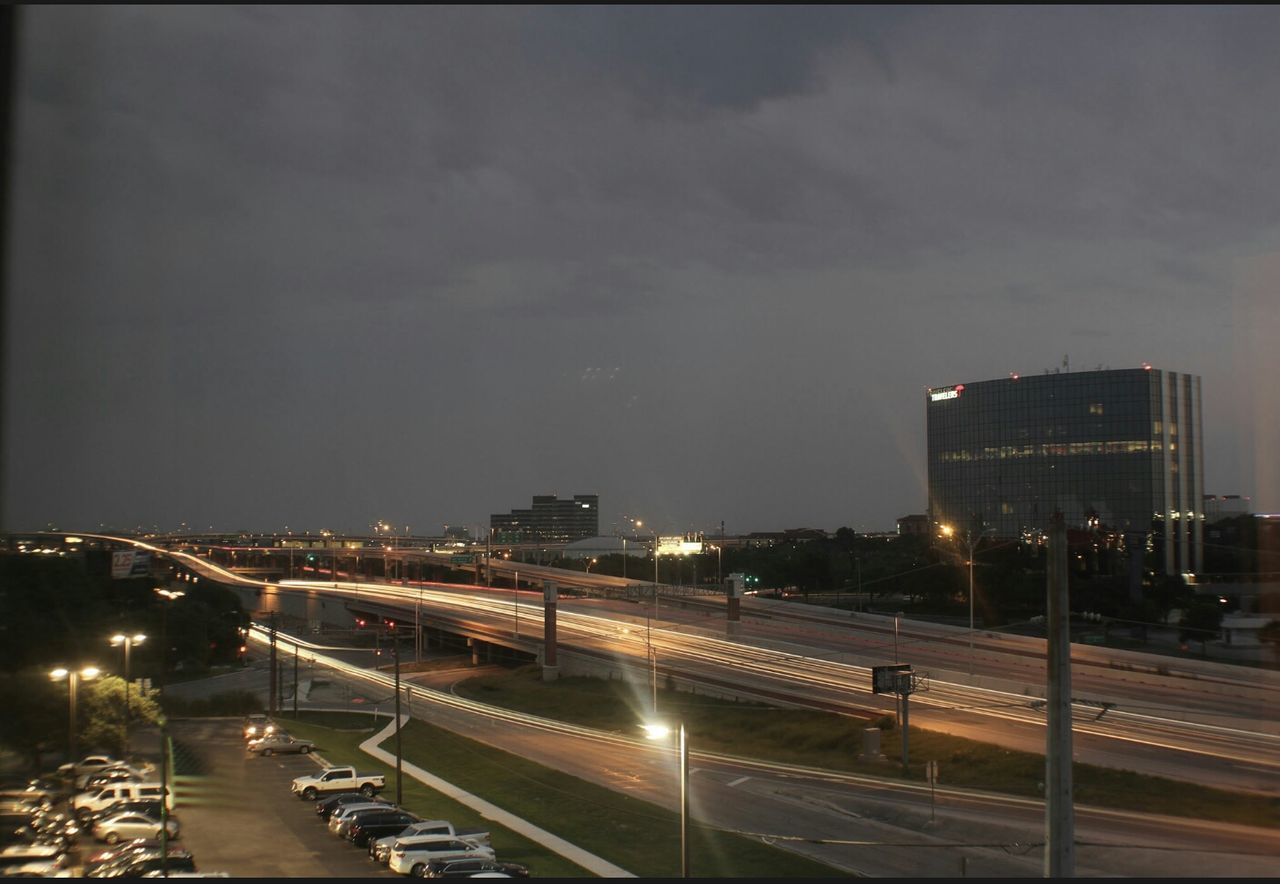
[(739, 781)]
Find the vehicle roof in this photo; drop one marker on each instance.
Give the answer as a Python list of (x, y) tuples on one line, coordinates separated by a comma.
[(430, 839)]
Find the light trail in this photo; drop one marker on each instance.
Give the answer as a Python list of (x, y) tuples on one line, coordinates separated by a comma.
[(770, 669)]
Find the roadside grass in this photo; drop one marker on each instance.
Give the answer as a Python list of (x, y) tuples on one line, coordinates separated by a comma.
[(638, 836), (827, 740)]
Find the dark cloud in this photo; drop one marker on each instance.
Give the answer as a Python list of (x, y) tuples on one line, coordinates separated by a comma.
[(337, 264)]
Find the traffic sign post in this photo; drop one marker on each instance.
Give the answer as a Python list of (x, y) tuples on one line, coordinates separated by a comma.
[(931, 770), (899, 679)]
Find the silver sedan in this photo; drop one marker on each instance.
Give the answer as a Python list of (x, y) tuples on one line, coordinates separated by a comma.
[(280, 743)]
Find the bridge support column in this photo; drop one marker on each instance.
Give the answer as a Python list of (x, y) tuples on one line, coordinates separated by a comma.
[(550, 669), (733, 605)]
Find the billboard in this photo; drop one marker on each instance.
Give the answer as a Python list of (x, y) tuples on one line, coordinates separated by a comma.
[(678, 546), (130, 563)]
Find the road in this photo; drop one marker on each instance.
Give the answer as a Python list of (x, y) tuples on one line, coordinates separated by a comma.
[(1197, 721), (860, 824)]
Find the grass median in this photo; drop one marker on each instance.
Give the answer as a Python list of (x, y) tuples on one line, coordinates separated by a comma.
[(633, 834), (834, 742)]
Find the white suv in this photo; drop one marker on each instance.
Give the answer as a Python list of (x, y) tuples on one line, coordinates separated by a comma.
[(87, 802), (409, 856)]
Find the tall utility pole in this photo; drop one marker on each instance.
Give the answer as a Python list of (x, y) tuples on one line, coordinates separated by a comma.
[(395, 650), (1059, 820), (272, 698)]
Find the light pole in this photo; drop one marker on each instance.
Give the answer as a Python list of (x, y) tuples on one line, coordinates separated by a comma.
[(128, 641), (661, 732), (971, 543), (590, 562), (169, 595), (73, 677)]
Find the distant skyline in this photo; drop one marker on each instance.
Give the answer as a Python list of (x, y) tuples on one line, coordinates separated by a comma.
[(323, 266)]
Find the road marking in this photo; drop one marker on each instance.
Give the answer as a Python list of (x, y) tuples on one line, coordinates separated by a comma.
[(739, 781)]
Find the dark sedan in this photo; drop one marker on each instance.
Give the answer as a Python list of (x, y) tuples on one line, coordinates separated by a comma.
[(326, 807), (379, 825), (470, 868)]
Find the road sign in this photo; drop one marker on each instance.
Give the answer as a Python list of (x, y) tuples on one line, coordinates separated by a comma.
[(885, 679), (462, 560)]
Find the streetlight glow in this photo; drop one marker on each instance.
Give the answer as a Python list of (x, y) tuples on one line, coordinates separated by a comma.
[(656, 731)]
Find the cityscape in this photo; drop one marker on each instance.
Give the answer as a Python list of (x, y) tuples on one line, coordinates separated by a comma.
[(639, 442)]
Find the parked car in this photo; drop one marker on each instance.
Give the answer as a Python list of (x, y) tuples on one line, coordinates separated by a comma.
[(110, 775), (368, 828), (120, 769), (87, 802), (418, 850), (126, 826), (380, 849), (33, 861), (88, 764), (96, 858), (148, 806), (51, 823), (17, 808), (141, 863), (340, 823), (327, 806), (281, 743), (472, 868)]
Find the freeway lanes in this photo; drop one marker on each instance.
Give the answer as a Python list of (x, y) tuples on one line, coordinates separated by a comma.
[(1199, 722), (862, 824)]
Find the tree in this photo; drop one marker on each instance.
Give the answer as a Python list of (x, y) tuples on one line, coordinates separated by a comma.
[(35, 714), (104, 713)]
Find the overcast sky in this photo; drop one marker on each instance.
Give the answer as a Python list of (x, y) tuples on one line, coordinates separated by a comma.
[(321, 267)]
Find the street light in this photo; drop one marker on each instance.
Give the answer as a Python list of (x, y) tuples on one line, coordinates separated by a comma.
[(73, 677), (590, 562), (661, 732), (169, 595), (972, 543), (128, 641)]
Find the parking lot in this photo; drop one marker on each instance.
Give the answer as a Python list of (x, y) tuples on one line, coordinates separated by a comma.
[(238, 815)]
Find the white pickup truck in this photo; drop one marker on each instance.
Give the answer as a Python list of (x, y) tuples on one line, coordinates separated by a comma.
[(338, 779), (380, 848)]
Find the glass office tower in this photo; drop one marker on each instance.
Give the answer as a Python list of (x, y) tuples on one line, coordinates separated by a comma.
[(1117, 451)]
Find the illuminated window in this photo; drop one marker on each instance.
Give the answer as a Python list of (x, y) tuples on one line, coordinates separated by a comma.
[(1095, 408)]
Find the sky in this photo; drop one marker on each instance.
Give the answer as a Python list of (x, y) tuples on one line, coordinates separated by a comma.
[(322, 267)]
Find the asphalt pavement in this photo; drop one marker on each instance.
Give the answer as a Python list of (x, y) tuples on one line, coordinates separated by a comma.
[(238, 815)]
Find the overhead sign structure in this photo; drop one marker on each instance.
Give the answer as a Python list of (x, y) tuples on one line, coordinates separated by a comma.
[(888, 679)]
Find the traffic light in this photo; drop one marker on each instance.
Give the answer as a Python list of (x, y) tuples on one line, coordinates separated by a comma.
[(360, 623)]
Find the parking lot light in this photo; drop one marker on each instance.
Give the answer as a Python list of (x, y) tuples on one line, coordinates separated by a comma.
[(73, 678)]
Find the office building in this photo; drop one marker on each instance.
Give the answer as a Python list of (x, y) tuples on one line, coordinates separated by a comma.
[(1117, 452), (549, 520)]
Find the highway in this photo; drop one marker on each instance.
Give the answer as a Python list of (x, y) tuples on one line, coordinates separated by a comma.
[(864, 825), (1196, 721)]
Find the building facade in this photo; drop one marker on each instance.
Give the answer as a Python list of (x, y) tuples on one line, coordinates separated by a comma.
[(1115, 451), (549, 520)]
